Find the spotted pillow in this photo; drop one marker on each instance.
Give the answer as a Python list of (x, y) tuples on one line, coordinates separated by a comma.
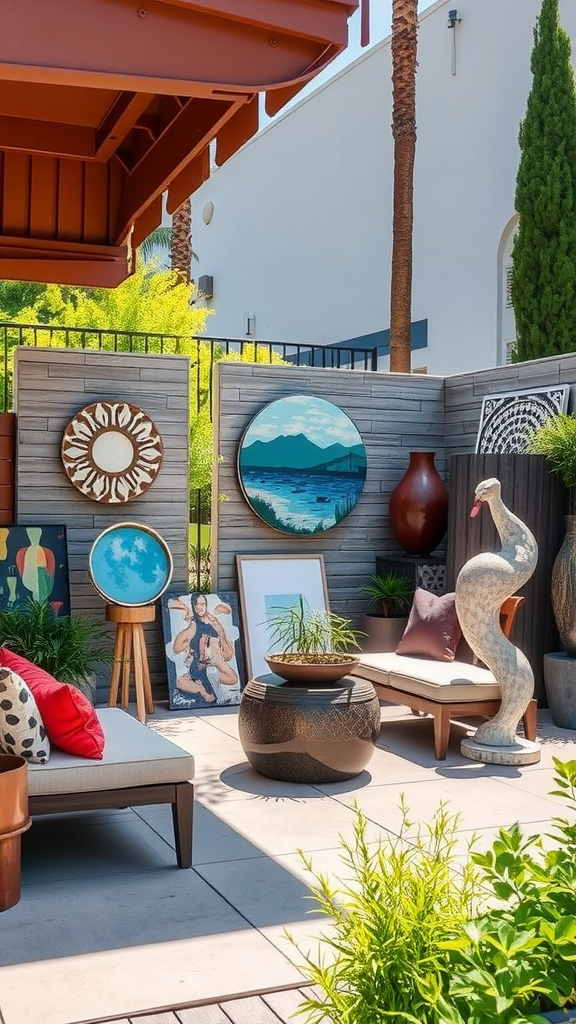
[(22, 730)]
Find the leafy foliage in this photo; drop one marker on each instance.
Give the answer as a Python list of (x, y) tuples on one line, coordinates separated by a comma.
[(67, 646), (393, 590), (308, 631), (556, 440), (398, 899), (419, 937), (544, 253), (520, 957), (151, 301)]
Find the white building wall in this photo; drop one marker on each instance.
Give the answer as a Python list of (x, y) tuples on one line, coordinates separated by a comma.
[(301, 230)]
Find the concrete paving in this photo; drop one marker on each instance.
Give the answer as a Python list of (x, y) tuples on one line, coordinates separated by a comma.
[(108, 926)]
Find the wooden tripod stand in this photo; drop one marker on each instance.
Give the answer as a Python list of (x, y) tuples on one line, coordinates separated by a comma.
[(130, 658)]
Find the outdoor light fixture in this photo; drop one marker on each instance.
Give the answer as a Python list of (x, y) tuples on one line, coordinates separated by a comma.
[(453, 20)]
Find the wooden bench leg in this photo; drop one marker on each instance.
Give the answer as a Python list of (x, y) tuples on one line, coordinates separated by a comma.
[(530, 720), (182, 815), (441, 732)]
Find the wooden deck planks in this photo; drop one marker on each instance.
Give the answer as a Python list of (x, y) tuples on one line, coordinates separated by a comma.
[(275, 1007)]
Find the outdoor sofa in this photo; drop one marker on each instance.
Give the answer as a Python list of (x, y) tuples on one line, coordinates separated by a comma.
[(441, 688), (138, 767)]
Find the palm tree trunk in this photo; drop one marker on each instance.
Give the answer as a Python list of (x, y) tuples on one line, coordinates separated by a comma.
[(181, 241), (404, 36)]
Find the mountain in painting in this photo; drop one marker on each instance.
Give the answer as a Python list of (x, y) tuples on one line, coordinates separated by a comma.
[(296, 451)]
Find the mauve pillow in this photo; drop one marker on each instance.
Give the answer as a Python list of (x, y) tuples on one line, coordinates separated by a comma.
[(433, 630), (70, 721)]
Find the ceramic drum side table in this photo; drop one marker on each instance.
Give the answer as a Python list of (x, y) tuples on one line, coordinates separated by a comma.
[(308, 733)]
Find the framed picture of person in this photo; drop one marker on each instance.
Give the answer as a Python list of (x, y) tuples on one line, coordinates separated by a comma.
[(203, 649)]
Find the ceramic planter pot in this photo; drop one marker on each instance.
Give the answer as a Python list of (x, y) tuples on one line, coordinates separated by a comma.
[(382, 633), (560, 683), (14, 820), (295, 669), (563, 588)]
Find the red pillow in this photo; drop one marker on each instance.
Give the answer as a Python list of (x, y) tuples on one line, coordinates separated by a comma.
[(70, 721)]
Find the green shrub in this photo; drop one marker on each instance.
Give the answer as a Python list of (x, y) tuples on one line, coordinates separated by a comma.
[(398, 898), (420, 937), (67, 646)]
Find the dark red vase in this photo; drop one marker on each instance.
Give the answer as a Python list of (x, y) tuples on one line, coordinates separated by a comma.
[(418, 509)]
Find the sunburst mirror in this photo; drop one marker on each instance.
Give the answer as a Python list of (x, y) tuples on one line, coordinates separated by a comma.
[(112, 452)]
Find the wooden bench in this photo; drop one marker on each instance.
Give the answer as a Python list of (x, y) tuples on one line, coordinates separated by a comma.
[(443, 689), (139, 767)]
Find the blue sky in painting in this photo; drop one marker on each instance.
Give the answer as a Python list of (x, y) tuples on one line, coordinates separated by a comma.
[(321, 422)]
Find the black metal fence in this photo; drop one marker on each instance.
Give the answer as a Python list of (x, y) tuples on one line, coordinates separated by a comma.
[(203, 352)]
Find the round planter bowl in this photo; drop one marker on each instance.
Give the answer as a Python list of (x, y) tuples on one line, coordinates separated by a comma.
[(308, 671)]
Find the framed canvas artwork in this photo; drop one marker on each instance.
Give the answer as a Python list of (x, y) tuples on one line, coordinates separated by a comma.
[(507, 420), (34, 564), (302, 465), (268, 583), (203, 650)]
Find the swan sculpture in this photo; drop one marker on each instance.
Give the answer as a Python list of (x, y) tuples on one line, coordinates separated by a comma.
[(484, 582)]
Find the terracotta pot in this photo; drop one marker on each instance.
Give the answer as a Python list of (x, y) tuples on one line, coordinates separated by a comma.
[(14, 820), (563, 588), (418, 509)]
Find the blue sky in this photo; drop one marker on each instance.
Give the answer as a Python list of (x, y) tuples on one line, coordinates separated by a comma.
[(380, 27)]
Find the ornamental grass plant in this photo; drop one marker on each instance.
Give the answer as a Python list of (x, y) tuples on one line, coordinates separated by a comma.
[(424, 934), (556, 441), (396, 899), (67, 646), (314, 634), (392, 591)]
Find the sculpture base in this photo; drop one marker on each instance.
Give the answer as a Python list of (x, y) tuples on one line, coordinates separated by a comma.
[(521, 752)]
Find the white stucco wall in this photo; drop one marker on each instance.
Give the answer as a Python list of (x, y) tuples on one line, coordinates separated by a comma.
[(301, 231)]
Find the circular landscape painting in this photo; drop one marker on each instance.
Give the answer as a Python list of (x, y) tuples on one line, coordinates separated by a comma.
[(130, 564), (302, 464)]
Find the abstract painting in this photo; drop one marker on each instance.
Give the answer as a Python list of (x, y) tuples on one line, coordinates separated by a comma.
[(507, 420), (203, 651), (34, 564), (302, 465)]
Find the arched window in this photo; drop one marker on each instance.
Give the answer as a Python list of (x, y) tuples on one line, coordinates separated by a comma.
[(506, 324)]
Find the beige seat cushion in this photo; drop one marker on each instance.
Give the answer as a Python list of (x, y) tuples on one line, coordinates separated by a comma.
[(444, 681), (134, 755)]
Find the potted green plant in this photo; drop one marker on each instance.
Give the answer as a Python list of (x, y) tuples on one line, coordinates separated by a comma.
[(311, 643), (556, 441), (67, 646), (393, 592)]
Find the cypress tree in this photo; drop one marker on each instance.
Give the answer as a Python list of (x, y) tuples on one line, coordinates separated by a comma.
[(544, 253)]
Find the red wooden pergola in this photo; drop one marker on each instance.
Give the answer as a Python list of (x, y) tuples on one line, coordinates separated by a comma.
[(107, 104)]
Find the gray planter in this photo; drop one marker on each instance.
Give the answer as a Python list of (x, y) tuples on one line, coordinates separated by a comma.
[(382, 633), (560, 682)]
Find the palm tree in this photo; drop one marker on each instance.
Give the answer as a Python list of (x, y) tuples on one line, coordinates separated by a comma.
[(160, 238), (181, 243), (175, 239), (404, 38)]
